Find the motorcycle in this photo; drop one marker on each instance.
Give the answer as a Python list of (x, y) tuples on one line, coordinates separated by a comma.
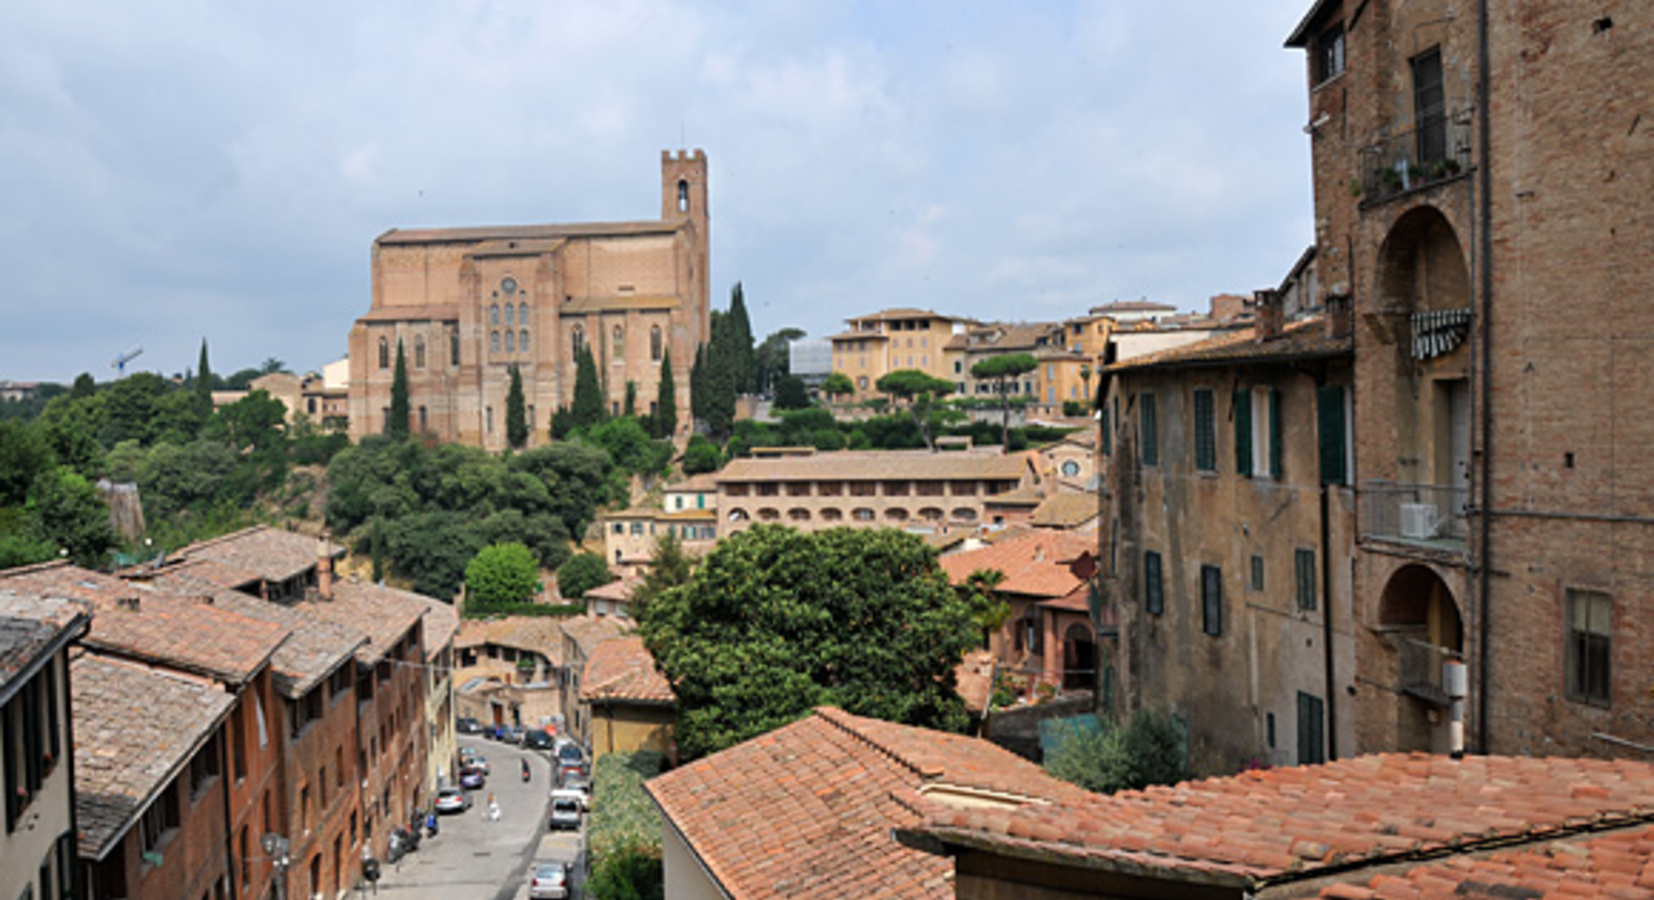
[(431, 824), (527, 773)]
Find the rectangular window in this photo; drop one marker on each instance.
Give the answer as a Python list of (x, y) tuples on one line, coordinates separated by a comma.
[(1310, 716), (1242, 416), (28, 731), (204, 767), (1149, 438), (1211, 600), (159, 821), (1332, 429), (1429, 107), (1258, 432), (1590, 646), (1304, 565), (1257, 572), (1329, 53), (1108, 436), (1206, 442), (1154, 595)]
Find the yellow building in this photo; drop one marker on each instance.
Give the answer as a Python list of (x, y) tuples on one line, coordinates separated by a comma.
[(899, 339)]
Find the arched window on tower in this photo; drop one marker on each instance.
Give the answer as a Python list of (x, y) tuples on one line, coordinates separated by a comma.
[(510, 340), (384, 353), (619, 343), (577, 340), (522, 314), (494, 314), (654, 343), (419, 352), (683, 195)]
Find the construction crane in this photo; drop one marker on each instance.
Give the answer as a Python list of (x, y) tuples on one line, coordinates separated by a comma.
[(119, 363)]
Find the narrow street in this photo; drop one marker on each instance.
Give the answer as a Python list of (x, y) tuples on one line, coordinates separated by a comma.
[(472, 858)]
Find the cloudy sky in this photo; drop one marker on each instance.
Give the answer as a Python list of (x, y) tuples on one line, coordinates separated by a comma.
[(174, 170)]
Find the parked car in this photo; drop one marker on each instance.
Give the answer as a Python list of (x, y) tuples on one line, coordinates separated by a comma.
[(468, 725), (474, 760), (512, 734), (472, 780), (581, 786), (452, 800), (550, 881), (537, 739), (565, 813)]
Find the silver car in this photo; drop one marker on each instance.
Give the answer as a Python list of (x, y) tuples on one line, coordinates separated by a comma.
[(550, 881)]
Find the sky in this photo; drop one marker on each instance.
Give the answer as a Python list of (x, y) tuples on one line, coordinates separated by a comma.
[(175, 171)]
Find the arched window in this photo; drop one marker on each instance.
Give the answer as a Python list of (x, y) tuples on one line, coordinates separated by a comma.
[(494, 314), (419, 353), (424, 420), (522, 314), (510, 314), (577, 339), (510, 340), (522, 340), (453, 347), (493, 342), (384, 353), (619, 343), (683, 195), (654, 343)]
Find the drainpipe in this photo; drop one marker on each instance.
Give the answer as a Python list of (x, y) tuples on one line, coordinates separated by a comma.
[(1485, 563), (1326, 586)]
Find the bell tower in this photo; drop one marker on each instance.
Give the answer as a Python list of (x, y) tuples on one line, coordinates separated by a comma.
[(683, 186)]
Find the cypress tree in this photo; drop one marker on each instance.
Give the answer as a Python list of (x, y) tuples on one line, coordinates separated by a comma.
[(666, 401), (397, 427), (516, 419), (630, 409), (203, 376), (588, 393), (741, 363), (697, 384)]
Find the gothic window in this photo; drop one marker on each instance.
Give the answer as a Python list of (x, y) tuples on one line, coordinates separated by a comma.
[(654, 343), (522, 314), (619, 342), (493, 342), (577, 339), (384, 353), (683, 195), (510, 314), (453, 347), (494, 314), (510, 340), (522, 341), (419, 353)]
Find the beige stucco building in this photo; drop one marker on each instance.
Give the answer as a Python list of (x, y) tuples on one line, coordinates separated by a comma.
[(467, 305), (884, 342)]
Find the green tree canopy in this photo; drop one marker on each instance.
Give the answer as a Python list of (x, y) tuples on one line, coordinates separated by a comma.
[(790, 393), (669, 567), (397, 427), (772, 359), (665, 419), (581, 573), (838, 384), (588, 408), (1004, 369), (70, 513), (701, 456), (758, 636), (204, 377), (1106, 758), (921, 391), (516, 417), (502, 573)]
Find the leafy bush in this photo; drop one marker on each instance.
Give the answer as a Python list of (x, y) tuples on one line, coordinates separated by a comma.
[(581, 573), (1148, 751), (701, 456), (622, 815), (502, 573), (634, 872)]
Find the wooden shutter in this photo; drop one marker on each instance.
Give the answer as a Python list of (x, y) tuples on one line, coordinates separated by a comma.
[(1275, 433), (1331, 427), (1243, 432)]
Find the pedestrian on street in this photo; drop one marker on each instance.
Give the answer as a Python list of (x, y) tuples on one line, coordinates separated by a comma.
[(493, 809)]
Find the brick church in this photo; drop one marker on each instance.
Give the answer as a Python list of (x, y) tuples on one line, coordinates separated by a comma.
[(466, 304)]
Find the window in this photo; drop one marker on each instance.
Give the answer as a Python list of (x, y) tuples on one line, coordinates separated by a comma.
[(1429, 107), (1154, 594), (655, 345), (453, 347), (522, 341), (419, 353), (238, 744), (1211, 600), (1070, 468), (384, 353), (1304, 565), (159, 821), (204, 767), (1258, 432), (510, 315), (510, 341), (522, 314), (1329, 53), (424, 420), (494, 342), (1206, 443), (488, 420), (1590, 646), (1333, 432), (1257, 573), (29, 731), (494, 315), (683, 196), (619, 342), (1150, 449), (1310, 716), (577, 340)]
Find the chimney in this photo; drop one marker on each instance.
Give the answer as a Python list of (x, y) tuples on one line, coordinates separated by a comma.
[(324, 568), (1340, 314), (1267, 304)]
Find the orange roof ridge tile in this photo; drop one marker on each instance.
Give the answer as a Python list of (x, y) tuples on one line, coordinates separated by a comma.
[(847, 723)]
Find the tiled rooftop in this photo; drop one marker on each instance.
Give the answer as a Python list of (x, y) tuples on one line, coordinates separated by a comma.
[(135, 730), (619, 591), (806, 810), (622, 670), (898, 465), (1038, 563), (385, 613), (539, 634), (1302, 821), (524, 232), (1064, 510), (29, 626), (143, 622), (272, 554), (1305, 339), (589, 631)]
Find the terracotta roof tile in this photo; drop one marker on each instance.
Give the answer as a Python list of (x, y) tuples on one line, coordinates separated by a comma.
[(616, 591), (622, 670), (524, 232), (135, 730), (145, 622), (806, 810), (30, 625), (589, 631), (1038, 563), (1064, 510), (1298, 820), (1306, 339), (272, 554), (878, 464), (538, 634), (385, 613)]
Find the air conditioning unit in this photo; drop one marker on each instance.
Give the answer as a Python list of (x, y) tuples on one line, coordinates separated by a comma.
[(1418, 520)]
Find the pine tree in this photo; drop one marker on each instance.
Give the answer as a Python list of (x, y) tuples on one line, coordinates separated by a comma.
[(588, 392), (397, 427), (516, 419), (666, 401)]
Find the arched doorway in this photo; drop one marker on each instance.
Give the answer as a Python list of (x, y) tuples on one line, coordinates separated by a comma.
[(1421, 617), (1079, 658)]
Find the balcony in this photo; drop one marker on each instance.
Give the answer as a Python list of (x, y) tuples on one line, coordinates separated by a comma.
[(1421, 669), (1426, 515), (1411, 160)]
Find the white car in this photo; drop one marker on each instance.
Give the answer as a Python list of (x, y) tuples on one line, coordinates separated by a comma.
[(452, 800), (550, 881)]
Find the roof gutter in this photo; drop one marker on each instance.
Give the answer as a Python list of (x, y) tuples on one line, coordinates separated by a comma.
[(666, 818)]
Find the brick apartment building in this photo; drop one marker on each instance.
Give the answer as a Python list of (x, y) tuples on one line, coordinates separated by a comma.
[(467, 304), (1481, 182)]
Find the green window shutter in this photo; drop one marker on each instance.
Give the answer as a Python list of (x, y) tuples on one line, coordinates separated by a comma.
[(1211, 600), (1108, 436), (1206, 449), (1275, 433), (1331, 426), (1150, 438), (1243, 432)]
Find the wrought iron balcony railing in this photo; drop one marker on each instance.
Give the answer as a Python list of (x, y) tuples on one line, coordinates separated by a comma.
[(1430, 514), (1409, 160)]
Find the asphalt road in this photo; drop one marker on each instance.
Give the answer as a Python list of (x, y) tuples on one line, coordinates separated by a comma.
[(473, 858)]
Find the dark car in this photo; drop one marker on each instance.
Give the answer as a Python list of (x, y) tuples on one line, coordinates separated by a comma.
[(468, 725), (472, 779), (536, 739)]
